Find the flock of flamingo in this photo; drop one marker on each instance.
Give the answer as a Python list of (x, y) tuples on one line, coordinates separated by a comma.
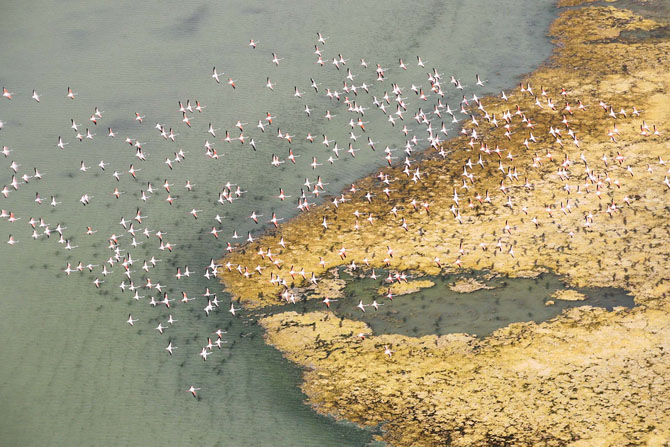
[(418, 114)]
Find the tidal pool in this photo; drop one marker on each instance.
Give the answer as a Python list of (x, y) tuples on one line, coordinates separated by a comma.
[(441, 310)]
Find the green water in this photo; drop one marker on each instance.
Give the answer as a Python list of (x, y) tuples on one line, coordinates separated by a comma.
[(440, 310), (72, 371)]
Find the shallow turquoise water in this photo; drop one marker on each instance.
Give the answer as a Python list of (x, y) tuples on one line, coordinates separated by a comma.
[(72, 372)]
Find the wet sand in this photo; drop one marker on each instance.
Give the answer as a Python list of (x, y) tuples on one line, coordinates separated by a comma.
[(587, 377)]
